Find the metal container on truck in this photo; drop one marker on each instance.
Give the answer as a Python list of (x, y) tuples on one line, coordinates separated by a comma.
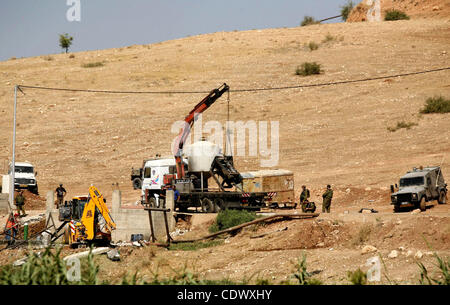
[(278, 183)]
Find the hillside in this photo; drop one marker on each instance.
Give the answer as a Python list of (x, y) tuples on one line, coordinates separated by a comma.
[(335, 134), (417, 9)]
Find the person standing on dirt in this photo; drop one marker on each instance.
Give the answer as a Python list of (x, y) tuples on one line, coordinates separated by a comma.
[(304, 198), (60, 193), (327, 196), (11, 228), (176, 194), (20, 202)]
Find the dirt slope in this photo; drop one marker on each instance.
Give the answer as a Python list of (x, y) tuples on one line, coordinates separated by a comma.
[(416, 9), (335, 134)]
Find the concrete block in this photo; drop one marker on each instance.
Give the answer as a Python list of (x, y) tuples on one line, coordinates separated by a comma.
[(5, 184), (50, 201), (135, 220), (4, 205)]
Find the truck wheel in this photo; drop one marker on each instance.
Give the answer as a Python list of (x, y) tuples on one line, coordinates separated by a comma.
[(423, 204), (152, 202), (397, 209), (137, 183), (442, 198), (66, 236), (218, 205), (207, 205)]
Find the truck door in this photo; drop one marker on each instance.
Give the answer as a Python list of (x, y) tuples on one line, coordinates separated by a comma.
[(430, 188), (433, 187)]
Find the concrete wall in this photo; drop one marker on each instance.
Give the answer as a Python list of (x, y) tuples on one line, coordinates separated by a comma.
[(135, 220), (5, 184), (53, 211), (4, 206)]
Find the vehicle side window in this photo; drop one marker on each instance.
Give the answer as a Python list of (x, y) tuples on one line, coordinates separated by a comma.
[(147, 172)]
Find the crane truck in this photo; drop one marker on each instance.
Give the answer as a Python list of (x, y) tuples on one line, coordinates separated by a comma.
[(160, 174)]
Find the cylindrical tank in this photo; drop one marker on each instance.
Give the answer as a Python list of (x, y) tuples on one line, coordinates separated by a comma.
[(201, 155)]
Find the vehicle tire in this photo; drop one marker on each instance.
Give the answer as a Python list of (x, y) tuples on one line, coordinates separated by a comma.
[(207, 205), (219, 205), (152, 202), (442, 198), (137, 183), (423, 204), (397, 209), (66, 235)]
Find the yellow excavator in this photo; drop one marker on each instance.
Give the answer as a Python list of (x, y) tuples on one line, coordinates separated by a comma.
[(88, 219)]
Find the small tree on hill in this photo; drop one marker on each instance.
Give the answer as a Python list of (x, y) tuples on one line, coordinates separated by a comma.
[(308, 20), (346, 9), (65, 41)]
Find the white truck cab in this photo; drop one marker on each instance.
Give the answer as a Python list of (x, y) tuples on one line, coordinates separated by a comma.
[(153, 175), (24, 176)]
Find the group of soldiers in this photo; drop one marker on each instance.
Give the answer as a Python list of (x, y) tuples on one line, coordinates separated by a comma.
[(308, 206)]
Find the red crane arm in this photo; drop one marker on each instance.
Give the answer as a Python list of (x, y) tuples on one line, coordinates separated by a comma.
[(189, 122)]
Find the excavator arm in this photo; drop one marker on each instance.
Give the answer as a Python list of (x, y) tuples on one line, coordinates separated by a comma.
[(96, 201), (189, 122)]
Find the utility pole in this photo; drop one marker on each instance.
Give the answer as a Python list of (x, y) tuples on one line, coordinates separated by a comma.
[(13, 163)]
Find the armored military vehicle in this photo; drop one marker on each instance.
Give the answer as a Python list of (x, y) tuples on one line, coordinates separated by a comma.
[(419, 187)]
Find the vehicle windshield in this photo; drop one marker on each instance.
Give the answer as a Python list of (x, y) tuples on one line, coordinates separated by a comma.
[(24, 169), (412, 181)]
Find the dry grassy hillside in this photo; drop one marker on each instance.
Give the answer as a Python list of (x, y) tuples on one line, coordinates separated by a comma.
[(416, 9), (335, 134)]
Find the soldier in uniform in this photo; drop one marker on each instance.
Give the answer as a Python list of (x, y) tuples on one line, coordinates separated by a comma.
[(20, 202), (327, 196), (304, 198), (60, 193)]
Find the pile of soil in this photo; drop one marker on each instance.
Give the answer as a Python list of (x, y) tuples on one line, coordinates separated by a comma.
[(415, 9), (33, 229), (33, 201)]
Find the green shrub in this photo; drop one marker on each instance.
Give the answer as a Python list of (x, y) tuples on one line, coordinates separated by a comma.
[(393, 14), (230, 218), (436, 105), (444, 270), (93, 64), (308, 20), (357, 277), (302, 276), (401, 125), (47, 269), (195, 245), (346, 9), (308, 68), (313, 46)]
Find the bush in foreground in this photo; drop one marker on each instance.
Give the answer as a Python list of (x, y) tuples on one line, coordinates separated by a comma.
[(47, 269)]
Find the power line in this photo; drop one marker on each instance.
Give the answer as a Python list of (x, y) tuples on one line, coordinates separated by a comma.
[(239, 90)]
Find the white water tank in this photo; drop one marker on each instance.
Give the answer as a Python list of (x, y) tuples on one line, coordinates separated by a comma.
[(201, 155)]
